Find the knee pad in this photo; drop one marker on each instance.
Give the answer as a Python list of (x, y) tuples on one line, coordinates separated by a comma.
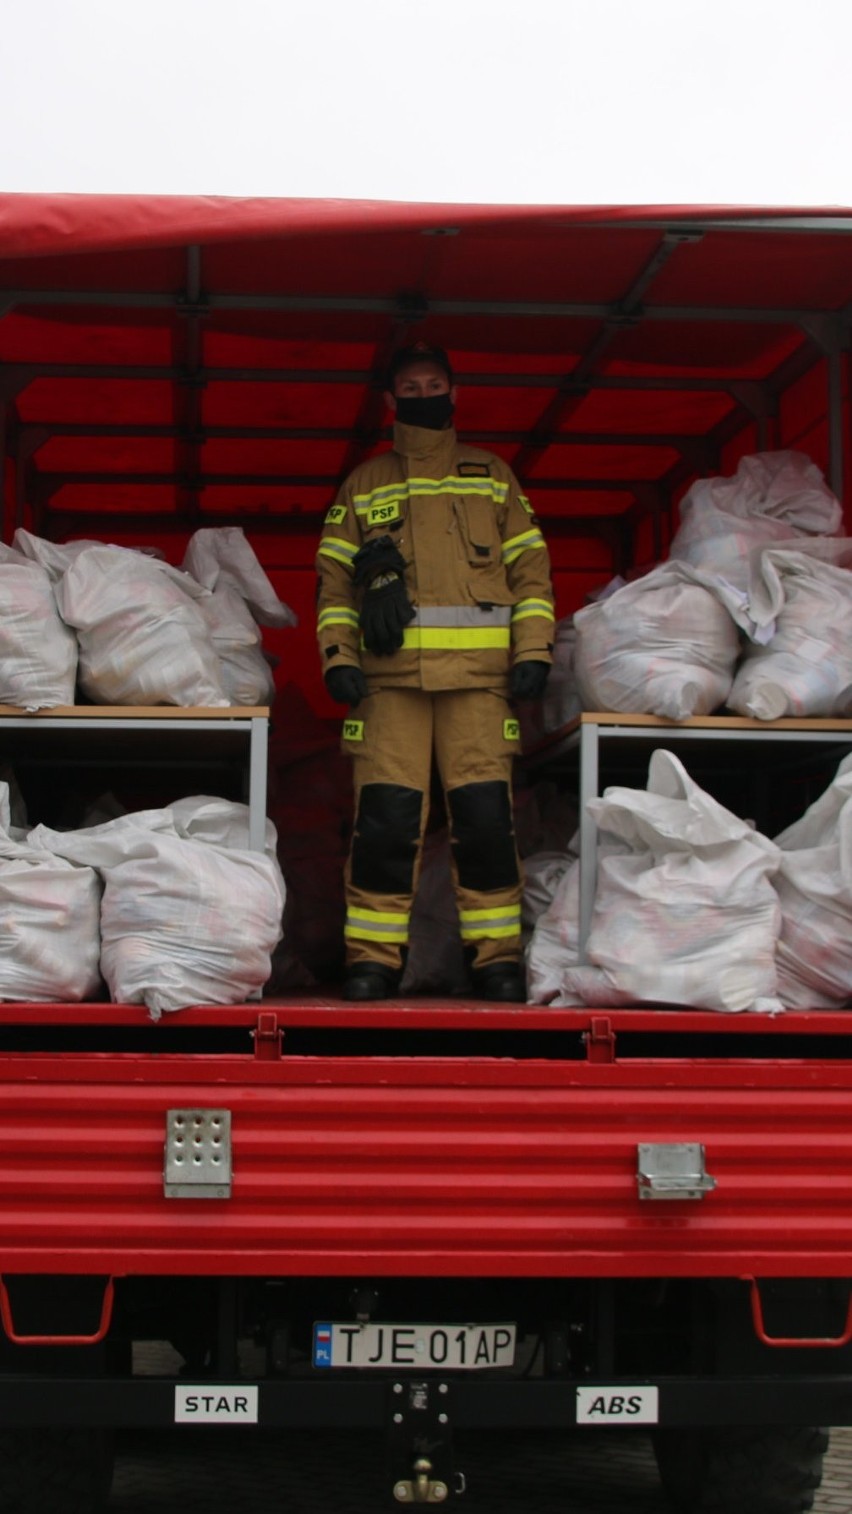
[(387, 832), (483, 838)]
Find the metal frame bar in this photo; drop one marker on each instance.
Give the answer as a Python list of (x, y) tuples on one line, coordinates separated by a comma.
[(25, 373), (50, 482), (186, 305)]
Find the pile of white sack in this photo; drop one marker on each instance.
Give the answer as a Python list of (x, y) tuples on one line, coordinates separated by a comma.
[(773, 497), (665, 645), (693, 907), (752, 610), (805, 669), (132, 628), (169, 907)]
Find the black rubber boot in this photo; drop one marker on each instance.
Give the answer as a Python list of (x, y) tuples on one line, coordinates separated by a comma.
[(503, 981), (370, 980)]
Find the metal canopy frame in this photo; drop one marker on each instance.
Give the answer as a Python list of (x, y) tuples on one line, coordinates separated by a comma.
[(824, 335)]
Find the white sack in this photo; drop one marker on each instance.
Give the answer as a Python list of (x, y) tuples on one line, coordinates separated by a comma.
[(806, 667), (554, 973), (143, 638), (245, 673), (692, 916), (222, 556), (687, 915), (54, 557), (772, 497), (182, 921), (38, 653), (664, 645), (242, 598), (814, 885), (49, 922), (542, 872), (219, 822)]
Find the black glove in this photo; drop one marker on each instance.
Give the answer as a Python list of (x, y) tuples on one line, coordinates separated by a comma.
[(527, 680), (376, 558), (385, 613), (379, 569), (346, 685)]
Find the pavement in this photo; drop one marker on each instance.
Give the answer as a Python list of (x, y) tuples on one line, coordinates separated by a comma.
[(604, 1471)]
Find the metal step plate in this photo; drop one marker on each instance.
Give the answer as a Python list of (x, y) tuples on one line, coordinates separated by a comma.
[(197, 1154)]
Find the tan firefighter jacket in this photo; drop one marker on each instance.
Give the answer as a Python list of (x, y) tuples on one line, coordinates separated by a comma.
[(477, 568)]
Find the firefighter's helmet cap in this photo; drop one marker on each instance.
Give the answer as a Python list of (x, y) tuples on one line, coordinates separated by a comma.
[(418, 352)]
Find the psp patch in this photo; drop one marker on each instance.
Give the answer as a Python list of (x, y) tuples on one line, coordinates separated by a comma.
[(473, 470), (353, 730), (511, 730), (336, 514), (380, 515)]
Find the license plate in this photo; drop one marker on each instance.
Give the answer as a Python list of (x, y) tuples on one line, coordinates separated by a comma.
[(460, 1347)]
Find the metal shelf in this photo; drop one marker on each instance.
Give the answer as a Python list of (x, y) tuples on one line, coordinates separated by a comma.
[(590, 731), (172, 733)]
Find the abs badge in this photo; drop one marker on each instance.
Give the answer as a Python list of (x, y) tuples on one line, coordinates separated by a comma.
[(511, 730), (353, 730)]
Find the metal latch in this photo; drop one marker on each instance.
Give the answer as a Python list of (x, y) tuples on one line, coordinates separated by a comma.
[(672, 1170), (197, 1154)]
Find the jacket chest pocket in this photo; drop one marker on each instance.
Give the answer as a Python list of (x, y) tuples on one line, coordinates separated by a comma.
[(478, 530)]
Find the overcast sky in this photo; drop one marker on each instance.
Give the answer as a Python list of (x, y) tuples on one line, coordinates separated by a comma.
[(509, 101)]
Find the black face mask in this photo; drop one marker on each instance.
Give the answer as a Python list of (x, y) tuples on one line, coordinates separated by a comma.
[(433, 412)]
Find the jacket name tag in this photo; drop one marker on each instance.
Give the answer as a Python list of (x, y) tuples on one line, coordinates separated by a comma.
[(473, 470), (379, 515)]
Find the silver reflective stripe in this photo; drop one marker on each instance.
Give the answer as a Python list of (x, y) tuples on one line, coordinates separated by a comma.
[(462, 615)]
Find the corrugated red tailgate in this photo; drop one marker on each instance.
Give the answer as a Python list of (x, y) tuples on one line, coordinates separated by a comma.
[(427, 1165)]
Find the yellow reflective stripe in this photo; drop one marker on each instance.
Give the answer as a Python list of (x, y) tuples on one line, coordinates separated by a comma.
[(496, 912), (455, 638), (526, 607), (528, 541), (490, 488), (376, 925), (477, 924), (383, 916), (474, 933), (336, 547), (337, 615), (382, 493)]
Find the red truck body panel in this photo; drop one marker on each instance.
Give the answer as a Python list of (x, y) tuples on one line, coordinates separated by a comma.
[(424, 1165)]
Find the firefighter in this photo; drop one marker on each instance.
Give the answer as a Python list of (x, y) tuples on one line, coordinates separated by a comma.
[(435, 608)]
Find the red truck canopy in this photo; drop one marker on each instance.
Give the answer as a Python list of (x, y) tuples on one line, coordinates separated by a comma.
[(168, 362)]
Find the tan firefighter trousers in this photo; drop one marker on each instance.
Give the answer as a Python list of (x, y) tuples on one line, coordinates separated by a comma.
[(391, 737)]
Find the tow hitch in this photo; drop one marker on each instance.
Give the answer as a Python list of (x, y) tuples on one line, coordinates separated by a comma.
[(421, 1444)]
